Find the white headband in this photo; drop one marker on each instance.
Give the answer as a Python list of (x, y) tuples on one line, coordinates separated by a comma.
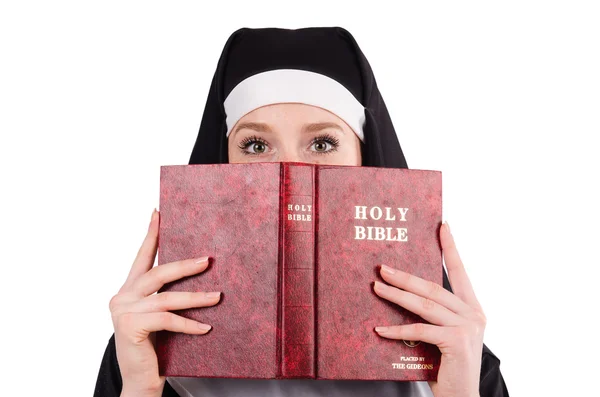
[(294, 86)]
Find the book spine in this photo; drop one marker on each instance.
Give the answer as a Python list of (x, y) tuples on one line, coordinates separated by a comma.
[(298, 273)]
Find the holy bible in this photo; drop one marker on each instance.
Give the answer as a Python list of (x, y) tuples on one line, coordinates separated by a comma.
[(295, 249)]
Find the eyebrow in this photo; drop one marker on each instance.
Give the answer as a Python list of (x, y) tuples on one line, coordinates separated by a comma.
[(313, 127)]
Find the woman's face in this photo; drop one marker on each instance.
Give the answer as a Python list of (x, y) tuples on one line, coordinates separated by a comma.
[(293, 132)]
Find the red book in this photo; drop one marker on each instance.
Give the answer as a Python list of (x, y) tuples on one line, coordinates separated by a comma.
[(295, 249)]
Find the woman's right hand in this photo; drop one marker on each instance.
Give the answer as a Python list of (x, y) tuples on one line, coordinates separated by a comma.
[(137, 313)]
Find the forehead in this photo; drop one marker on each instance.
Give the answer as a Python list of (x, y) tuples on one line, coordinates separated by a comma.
[(299, 116), (290, 112)]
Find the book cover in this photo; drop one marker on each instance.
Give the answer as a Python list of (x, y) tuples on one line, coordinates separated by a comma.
[(295, 249)]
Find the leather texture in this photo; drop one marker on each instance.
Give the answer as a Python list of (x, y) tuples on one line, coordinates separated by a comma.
[(298, 271), (290, 308), (229, 212), (348, 309)]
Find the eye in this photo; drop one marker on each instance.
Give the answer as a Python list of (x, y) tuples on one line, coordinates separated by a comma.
[(257, 144), (320, 142)]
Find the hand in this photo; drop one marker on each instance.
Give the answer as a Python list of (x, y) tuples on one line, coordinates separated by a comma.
[(457, 320), (137, 313)]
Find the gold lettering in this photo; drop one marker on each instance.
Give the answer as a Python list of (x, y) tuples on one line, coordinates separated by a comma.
[(419, 366), (376, 213), (300, 208), (412, 366), (299, 217), (380, 233)]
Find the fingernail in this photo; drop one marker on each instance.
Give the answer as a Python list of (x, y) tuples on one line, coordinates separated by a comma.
[(381, 329), (380, 286), (202, 260), (448, 226), (152, 217), (204, 327), (388, 269), (212, 295)]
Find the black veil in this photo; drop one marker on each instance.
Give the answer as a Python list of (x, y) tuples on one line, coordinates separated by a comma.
[(329, 51)]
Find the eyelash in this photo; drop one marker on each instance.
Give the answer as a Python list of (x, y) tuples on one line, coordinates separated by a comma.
[(333, 141)]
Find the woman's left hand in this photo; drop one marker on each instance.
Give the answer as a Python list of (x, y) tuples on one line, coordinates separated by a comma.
[(457, 320)]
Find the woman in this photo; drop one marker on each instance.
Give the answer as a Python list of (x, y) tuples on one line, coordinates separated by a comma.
[(305, 95)]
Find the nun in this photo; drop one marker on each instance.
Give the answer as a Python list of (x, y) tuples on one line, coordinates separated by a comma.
[(304, 95)]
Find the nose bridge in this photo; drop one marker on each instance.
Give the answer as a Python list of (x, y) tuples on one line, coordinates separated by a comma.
[(288, 154)]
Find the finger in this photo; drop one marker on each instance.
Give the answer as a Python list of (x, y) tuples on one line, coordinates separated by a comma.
[(415, 332), (155, 278), (167, 301), (145, 323), (144, 259), (461, 285), (426, 308), (426, 289)]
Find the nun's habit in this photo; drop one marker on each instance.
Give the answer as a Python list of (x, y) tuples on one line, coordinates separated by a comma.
[(314, 57)]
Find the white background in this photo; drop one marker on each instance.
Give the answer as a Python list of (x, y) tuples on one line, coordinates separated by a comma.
[(503, 98)]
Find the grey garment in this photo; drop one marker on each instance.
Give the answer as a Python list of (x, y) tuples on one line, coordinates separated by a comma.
[(218, 387)]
